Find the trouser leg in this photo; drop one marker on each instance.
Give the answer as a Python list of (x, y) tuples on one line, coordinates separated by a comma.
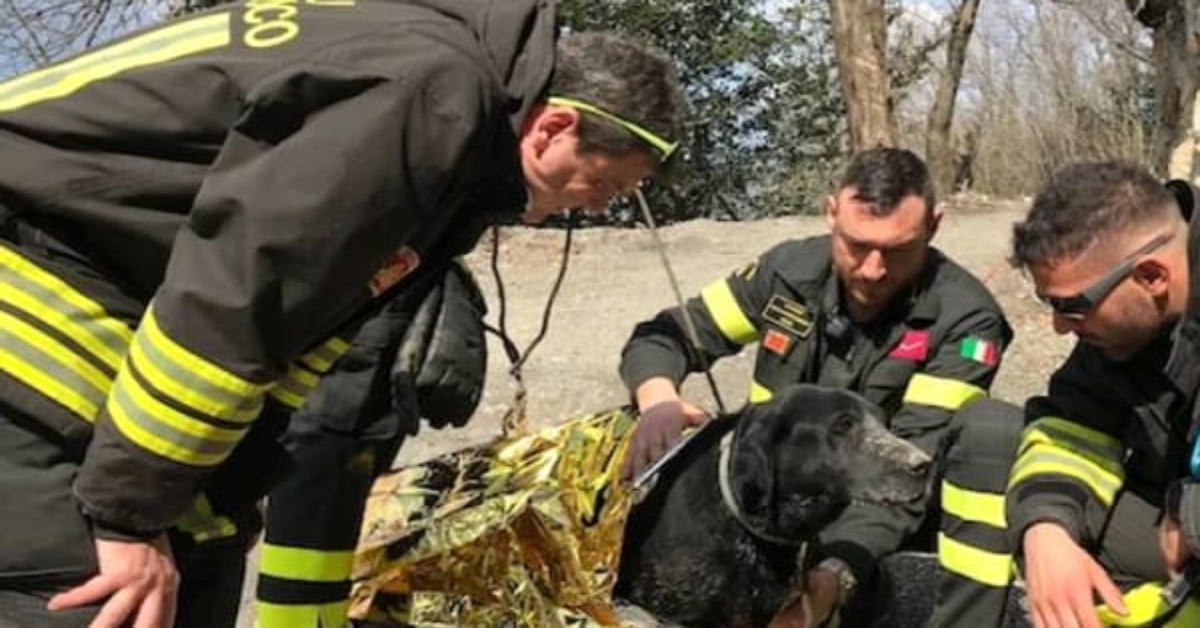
[(211, 541), (973, 552), (314, 517), (210, 589), (45, 542)]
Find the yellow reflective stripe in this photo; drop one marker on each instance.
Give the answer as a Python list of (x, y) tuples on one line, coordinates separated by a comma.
[(1042, 460), (295, 386), (55, 388), (140, 426), (1055, 446), (302, 378), (973, 563), (323, 357), (331, 615), (304, 374), (728, 315), (1097, 446), (308, 565), (759, 393), (47, 298), (287, 397), (941, 392), (1144, 603), (191, 380), (143, 406), (154, 47), (202, 524), (976, 506), (35, 345)]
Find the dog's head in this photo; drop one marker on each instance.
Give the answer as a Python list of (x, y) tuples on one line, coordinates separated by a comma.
[(802, 457)]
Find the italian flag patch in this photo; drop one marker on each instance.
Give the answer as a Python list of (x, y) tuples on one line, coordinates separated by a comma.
[(979, 350)]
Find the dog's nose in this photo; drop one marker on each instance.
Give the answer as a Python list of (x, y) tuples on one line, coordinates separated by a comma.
[(920, 468)]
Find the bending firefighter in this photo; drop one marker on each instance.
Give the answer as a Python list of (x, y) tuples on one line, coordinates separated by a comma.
[(198, 219)]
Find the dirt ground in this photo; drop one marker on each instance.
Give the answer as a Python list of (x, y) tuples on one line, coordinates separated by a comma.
[(615, 279)]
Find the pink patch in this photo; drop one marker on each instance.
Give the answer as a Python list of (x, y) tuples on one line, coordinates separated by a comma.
[(913, 346)]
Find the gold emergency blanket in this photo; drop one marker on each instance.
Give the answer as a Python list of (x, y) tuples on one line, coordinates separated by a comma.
[(525, 531)]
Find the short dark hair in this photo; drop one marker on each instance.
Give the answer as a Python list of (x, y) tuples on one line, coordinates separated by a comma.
[(882, 177), (1084, 202), (625, 78)]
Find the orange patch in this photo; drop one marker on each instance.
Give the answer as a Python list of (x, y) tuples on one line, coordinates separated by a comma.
[(397, 267), (776, 342)]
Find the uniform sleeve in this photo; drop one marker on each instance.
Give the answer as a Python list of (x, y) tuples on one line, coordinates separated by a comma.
[(1070, 463), (325, 174), (726, 315), (959, 372)]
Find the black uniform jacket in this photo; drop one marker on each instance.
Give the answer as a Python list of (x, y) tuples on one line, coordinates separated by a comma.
[(1107, 426), (256, 174), (933, 352)]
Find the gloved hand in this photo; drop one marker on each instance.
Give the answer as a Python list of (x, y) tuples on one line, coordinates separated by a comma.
[(441, 362)]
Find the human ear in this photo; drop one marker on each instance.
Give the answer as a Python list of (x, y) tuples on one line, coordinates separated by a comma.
[(551, 122), (935, 220), (1153, 275), (830, 210)]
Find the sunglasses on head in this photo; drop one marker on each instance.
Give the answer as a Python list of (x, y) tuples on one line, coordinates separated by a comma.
[(1078, 305), (662, 146)]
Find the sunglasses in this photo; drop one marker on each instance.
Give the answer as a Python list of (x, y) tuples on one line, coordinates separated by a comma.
[(665, 148), (1078, 305)]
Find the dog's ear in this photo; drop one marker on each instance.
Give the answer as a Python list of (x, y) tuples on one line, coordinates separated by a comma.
[(753, 469)]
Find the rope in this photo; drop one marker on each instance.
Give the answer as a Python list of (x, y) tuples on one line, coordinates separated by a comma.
[(515, 418)]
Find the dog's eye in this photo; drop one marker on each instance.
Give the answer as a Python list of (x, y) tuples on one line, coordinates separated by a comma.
[(842, 425)]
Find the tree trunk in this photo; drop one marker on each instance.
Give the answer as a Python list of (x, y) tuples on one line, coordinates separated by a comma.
[(1176, 144), (938, 150), (860, 43)]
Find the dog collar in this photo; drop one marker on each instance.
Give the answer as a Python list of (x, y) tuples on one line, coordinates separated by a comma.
[(724, 463)]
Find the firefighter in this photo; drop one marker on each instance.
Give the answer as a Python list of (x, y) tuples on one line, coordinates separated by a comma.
[(874, 308), (1110, 252), (199, 217)]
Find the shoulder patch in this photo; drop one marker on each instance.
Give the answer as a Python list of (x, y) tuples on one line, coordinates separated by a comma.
[(790, 315), (397, 267), (913, 346), (776, 342), (979, 350)]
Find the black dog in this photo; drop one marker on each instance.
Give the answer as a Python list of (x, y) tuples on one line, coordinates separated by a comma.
[(701, 554)]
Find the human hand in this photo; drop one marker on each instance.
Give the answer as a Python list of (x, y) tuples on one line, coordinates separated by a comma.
[(813, 606), (139, 581), (1060, 578), (1170, 542), (664, 416)]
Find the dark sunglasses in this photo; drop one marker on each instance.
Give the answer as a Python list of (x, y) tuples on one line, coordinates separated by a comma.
[(1078, 305)]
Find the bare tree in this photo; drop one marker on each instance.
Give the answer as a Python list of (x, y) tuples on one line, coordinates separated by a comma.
[(1176, 25), (938, 150), (860, 43), (36, 32), (1054, 82)]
